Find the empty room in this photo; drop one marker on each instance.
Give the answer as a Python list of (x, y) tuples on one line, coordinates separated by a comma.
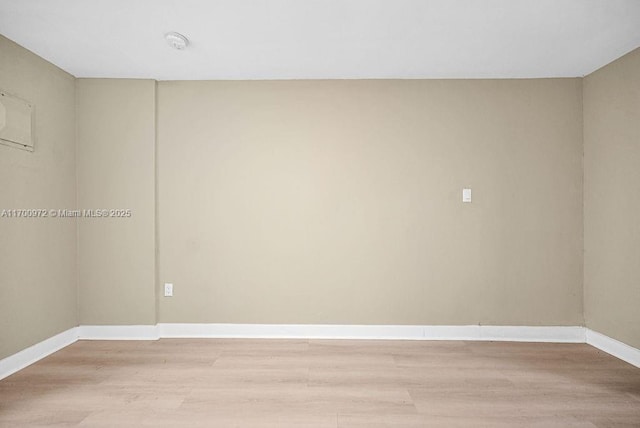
[(320, 213)]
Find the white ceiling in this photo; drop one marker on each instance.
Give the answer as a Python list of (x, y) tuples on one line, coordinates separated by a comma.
[(303, 39)]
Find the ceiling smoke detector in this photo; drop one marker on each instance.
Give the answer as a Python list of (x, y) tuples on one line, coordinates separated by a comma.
[(176, 40)]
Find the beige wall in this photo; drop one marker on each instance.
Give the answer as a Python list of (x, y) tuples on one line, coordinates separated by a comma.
[(323, 202), (612, 199), (116, 170), (37, 256), (340, 201)]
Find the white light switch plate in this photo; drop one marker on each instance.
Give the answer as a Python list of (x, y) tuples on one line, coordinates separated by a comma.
[(466, 195), (168, 290)]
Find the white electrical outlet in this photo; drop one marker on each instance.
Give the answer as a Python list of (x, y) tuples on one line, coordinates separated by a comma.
[(168, 290)]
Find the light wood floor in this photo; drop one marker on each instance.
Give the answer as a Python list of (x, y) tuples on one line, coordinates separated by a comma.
[(321, 383)]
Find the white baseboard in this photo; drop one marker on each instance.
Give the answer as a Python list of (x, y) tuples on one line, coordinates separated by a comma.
[(118, 332), (559, 334), (556, 334), (613, 347), (290, 331), (388, 332), (32, 354)]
